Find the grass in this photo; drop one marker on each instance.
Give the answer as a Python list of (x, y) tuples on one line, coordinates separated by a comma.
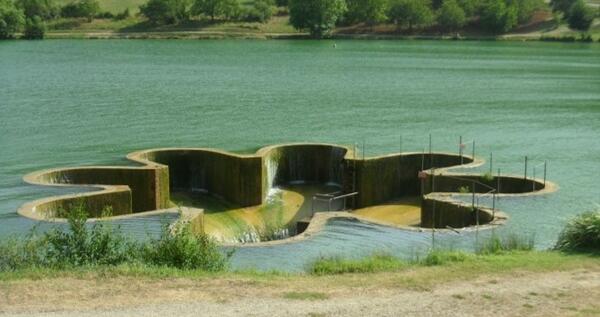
[(581, 234), (305, 296)]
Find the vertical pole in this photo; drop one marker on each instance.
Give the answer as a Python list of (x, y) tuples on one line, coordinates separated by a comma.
[(494, 206), (525, 167), (430, 152), (312, 206), (433, 211), (354, 178), (363, 151), (545, 169), (498, 179), (533, 179), (473, 150), (491, 163), (460, 149), (422, 167), (329, 204)]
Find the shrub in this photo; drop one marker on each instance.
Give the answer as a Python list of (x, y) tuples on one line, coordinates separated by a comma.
[(498, 17), (512, 242), (179, 247), (562, 6), (166, 11), (227, 9), (11, 19), (123, 15), (261, 11), (580, 16), (374, 263), (35, 29), (582, 233), (451, 16), (411, 13), (440, 257), (319, 17), (366, 11), (45, 9), (81, 9)]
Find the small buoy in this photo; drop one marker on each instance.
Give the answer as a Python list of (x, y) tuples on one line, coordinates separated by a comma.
[(334, 45)]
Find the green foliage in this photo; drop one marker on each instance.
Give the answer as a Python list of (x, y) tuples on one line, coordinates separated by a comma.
[(512, 242), (411, 13), (487, 177), (470, 7), (227, 9), (580, 16), (317, 16), (498, 17), (261, 11), (366, 11), (442, 257), (35, 29), (563, 6), (451, 16), (81, 9), (526, 9), (85, 245), (336, 265), (123, 15), (179, 247), (166, 11), (44, 9), (582, 233), (464, 189), (11, 19)]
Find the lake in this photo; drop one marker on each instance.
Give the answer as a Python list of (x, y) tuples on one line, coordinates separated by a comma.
[(84, 102)]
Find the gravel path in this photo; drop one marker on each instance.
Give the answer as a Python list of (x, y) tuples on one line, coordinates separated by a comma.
[(570, 293)]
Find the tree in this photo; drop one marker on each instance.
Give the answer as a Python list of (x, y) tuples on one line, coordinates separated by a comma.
[(498, 17), (451, 16), (562, 6), (81, 9), (261, 11), (318, 16), (470, 7), (166, 11), (580, 17), (411, 13), (214, 8), (44, 9), (11, 19), (368, 11), (526, 8), (35, 28)]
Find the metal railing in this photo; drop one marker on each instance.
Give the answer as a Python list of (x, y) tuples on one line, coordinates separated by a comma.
[(330, 198)]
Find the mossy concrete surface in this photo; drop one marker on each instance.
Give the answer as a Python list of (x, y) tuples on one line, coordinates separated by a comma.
[(245, 180)]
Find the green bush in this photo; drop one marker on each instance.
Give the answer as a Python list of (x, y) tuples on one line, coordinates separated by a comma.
[(580, 16), (35, 29), (441, 257), (411, 13), (226, 9), (498, 17), (45, 9), (319, 17), (11, 19), (366, 11), (261, 11), (498, 244), (336, 265), (99, 244), (81, 9), (166, 11), (179, 247), (451, 16), (581, 234)]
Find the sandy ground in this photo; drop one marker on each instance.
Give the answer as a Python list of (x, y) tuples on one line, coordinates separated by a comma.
[(566, 293)]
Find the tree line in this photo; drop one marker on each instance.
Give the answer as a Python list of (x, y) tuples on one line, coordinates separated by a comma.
[(318, 17)]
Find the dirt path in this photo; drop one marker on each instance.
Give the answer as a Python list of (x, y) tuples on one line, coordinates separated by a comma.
[(568, 293)]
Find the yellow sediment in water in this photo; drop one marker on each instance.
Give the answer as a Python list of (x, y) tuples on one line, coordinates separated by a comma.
[(405, 211), (227, 222)]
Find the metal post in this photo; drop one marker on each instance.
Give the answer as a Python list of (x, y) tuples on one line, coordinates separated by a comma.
[(545, 169), (329, 204), (491, 162), (525, 167), (433, 211), (430, 152), (498, 179), (460, 149)]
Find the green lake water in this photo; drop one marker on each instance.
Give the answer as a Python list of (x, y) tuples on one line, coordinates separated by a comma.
[(75, 102)]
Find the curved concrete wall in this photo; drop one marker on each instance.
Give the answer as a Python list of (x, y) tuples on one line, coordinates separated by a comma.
[(245, 180)]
